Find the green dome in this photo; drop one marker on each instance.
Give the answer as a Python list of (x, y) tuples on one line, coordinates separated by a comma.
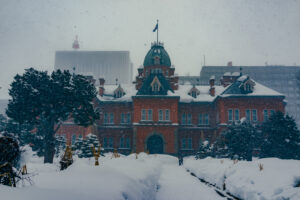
[(157, 55)]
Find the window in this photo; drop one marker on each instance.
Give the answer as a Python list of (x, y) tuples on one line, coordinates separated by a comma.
[(108, 143), (150, 114), (200, 120), (266, 116), (155, 87), (194, 94), (128, 118), (183, 119), (272, 112), (183, 143), (143, 114), (111, 118), (160, 115), (189, 118), (186, 143), (122, 118), (124, 143), (189, 144), (254, 115), (248, 115), (167, 115), (230, 118), (128, 143), (105, 118), (119, 94), (236, 114), (206, 119), (73, 139)]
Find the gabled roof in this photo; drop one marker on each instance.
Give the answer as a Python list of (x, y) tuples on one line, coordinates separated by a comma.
[(146, 88), (236, 89), (109, 93)]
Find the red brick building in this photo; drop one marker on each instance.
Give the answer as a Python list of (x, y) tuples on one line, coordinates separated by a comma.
[(156, 114)]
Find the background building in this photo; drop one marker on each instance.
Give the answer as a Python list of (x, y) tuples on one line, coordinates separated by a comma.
[(110, 65), (279, 78)]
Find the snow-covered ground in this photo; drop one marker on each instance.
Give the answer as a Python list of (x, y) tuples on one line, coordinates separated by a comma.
[(148, 177), (156, 177), (245, 179)]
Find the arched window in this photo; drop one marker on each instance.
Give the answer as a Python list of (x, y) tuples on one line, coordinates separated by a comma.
[(155, 87)]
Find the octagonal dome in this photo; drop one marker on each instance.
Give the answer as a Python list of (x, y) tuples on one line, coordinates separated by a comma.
[(157, 55)]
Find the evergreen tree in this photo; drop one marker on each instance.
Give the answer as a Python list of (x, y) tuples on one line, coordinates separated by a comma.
[(281, 137), (241, 138), (46, 101), (89, 142), (204, 150), (9, 157), (77, 146), (60, 144), (219, 148)]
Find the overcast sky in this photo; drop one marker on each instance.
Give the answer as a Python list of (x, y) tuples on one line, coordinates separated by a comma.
[(247, 32)]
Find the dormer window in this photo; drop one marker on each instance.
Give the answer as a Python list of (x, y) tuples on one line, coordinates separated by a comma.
[(194, 92), (248, 86), (156, 60), (119, 92), (155, 85)]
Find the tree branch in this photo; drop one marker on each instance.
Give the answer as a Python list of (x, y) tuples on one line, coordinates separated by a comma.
[(58, 126)]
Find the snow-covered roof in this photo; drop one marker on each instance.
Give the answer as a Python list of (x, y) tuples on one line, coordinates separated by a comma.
[(129, 90), (183, 92), (204, 95), (258, 89)]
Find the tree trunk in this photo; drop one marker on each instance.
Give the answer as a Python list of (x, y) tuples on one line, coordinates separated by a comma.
[(49, 143)]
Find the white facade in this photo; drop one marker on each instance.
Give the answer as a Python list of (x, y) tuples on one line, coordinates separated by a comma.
[(110, 65)]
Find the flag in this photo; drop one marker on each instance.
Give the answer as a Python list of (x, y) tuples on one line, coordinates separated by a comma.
[(155, 28)]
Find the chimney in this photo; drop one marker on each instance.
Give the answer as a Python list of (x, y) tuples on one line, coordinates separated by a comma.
[(101, 87), (212, 81), (229, 64), (212, 90)]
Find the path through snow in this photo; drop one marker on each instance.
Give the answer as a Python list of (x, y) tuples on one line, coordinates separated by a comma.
[(177, 184)]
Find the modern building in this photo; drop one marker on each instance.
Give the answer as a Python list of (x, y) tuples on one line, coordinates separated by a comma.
[(114, 66), (158, 115), (279, 78)]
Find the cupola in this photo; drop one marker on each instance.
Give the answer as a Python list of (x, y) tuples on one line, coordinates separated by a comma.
[(157, 55)]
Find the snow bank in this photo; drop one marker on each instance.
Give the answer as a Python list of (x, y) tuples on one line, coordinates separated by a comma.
[(115, 178), (245, 180)]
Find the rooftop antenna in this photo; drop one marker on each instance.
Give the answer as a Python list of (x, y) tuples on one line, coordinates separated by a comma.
[(203, 60), (116, 81), (76, 43)]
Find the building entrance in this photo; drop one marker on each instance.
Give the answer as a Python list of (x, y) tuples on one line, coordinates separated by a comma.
[(155, 144)]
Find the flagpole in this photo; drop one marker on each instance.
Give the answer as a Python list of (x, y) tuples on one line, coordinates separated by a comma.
[(157, 32)]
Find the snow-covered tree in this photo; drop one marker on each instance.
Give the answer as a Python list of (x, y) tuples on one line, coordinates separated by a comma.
[(240, 139), (60, 144), (281, 137), (9, 157), (45, 101), (89, 142), (77, 146), (205, 150)]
